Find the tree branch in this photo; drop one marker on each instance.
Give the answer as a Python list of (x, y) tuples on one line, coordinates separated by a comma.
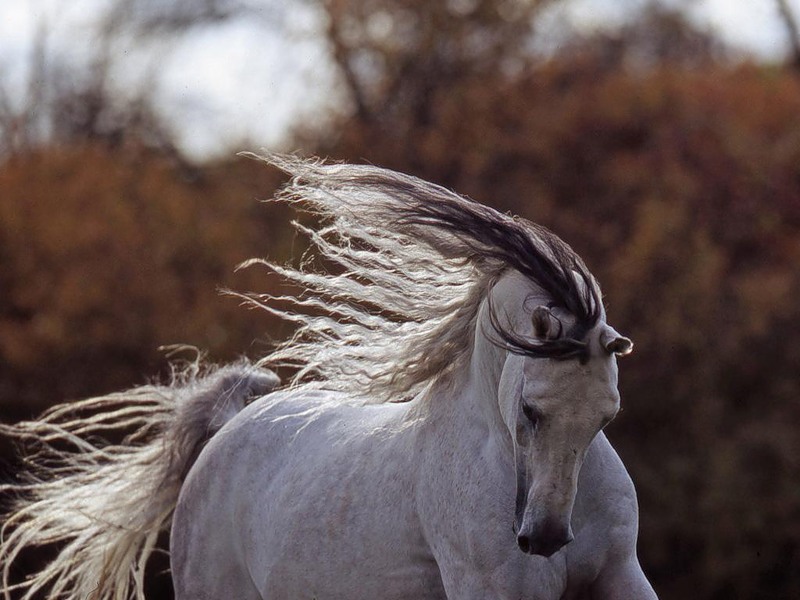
[(793, 29)]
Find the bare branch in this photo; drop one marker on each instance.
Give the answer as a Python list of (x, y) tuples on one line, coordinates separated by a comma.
[(341, 54), (793, 29)]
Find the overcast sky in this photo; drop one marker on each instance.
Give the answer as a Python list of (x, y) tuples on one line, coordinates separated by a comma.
[(202, 81)]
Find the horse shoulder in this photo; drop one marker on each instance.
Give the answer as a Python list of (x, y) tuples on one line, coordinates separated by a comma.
[(611, 494), (607, 511)]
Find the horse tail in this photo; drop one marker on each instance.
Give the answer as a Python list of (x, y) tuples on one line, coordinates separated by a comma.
[(104, 503)]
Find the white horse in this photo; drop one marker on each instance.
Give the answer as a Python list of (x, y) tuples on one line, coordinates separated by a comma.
[(441, 438)]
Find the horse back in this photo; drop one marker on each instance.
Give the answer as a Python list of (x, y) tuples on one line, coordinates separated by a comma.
[(303, 490)]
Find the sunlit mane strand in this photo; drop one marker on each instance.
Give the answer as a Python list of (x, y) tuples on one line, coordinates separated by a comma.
[(414, 263)]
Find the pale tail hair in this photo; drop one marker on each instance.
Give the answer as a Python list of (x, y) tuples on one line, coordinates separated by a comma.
[(105, 504)]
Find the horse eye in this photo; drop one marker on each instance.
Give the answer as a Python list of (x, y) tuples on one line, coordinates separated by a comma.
[(531, 413)]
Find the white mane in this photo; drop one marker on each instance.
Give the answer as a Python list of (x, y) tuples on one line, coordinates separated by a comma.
[(409, 264)]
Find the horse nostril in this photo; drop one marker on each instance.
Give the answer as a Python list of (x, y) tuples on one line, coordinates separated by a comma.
[(544, 543)]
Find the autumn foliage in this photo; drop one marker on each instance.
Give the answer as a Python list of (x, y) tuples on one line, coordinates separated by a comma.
[(109, 255), (678, 182)]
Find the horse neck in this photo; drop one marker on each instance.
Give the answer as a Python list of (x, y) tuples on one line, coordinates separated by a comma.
[(468, 398)]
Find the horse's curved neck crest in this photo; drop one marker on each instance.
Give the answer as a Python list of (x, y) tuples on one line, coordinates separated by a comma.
[(415, 262)]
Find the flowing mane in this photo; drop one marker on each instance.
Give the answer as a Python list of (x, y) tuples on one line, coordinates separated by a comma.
[(412, 262)]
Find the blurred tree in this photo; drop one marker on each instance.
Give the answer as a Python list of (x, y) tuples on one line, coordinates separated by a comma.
[(71, 100), (397, 58), (106, 257), (66, 103), (659, 34)]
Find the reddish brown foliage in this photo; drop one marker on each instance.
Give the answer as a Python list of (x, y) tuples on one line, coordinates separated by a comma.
[(107, 256), (680, 187)]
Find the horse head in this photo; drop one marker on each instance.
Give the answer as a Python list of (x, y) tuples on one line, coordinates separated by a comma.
[(557, 390)]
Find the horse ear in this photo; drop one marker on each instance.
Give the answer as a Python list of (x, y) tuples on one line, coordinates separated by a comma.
[(614, 343), (545, 325)]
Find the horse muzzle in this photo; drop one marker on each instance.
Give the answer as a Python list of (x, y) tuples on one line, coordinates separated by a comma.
[(546, 539)]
